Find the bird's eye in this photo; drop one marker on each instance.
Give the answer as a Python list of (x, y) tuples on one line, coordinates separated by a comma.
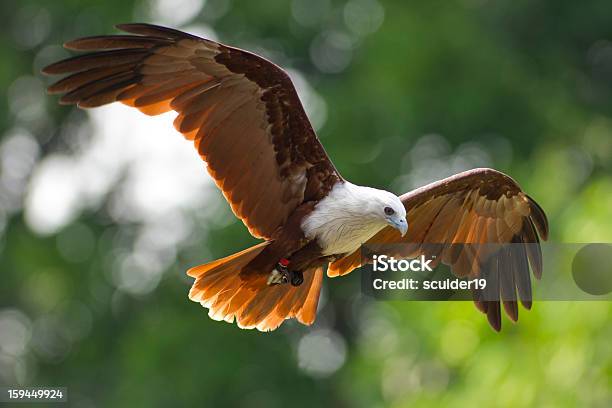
[(389, 211)]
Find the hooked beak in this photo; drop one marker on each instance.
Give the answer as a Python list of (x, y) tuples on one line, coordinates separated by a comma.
[(401, 225)]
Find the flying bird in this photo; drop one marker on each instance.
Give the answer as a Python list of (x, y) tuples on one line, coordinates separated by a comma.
[(246, 121)]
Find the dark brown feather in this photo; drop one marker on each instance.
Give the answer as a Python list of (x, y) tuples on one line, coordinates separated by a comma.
[(79, 79), (111, 42), (539, 218), (95, 60), (228, 100), (121, 79)]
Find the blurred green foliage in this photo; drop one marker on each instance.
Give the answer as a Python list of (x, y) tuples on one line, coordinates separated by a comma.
[(527, 82)]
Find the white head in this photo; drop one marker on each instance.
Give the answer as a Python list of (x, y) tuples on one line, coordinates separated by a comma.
[(388, 208), (374, 206), (350, 215)]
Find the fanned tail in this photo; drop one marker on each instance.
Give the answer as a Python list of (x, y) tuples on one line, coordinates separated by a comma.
[(247, 298)]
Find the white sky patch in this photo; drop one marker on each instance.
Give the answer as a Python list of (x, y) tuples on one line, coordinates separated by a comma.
[(154, 178), (161, 172), (53, 197), (175, 12)]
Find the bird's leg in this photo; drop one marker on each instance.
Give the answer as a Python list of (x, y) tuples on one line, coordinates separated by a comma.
[(282, 274)]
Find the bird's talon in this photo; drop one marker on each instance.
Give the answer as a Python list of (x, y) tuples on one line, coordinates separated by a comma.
[(279, 275), (297, 278)]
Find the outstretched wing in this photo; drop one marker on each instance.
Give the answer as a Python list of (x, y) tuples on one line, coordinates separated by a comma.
[(241, 111), (451, 219)]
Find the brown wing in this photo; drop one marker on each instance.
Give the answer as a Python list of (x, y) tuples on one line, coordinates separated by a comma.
[(480, 206), (241, 111)]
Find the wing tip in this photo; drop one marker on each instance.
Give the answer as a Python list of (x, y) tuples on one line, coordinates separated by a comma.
[(527, 304), (539, 218), (511, 308), (495, 324), (51, 69), (494, 316), (153, 29)]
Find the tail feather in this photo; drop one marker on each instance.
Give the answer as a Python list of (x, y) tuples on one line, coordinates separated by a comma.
[(260, 307), (307, 313), (245, 255), (248, 299)]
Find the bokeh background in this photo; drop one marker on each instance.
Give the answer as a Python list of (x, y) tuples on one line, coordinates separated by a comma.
[(101, 212)]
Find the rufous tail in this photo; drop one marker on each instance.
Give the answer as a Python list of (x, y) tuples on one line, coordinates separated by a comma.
[(247, 298)]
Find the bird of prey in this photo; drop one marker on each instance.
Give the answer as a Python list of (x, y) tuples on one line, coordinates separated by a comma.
[(246, 121)]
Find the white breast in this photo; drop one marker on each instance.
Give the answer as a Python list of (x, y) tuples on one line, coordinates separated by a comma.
[(343, 220)]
